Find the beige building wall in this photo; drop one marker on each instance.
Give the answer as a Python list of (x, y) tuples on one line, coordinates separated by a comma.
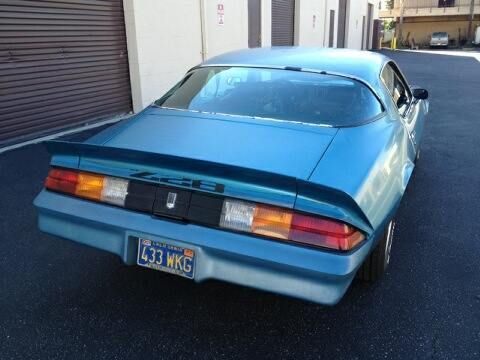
[(421, 28), (417, 8)]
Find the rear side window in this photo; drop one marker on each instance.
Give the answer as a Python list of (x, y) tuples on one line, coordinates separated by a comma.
[(396, 87), (274, 93)]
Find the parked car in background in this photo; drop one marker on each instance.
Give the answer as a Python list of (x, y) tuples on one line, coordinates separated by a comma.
[(279, 169), (439, 39)]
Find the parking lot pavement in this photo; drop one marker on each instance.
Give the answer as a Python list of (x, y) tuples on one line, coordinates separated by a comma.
[(473, 53), (61, 300)]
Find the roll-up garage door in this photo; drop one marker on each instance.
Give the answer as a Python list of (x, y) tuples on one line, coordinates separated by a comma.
[(283, 22), (62, 63)]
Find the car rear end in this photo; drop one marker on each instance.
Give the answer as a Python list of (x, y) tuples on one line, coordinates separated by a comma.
[(439, 39), (204, 224), (246, 174)]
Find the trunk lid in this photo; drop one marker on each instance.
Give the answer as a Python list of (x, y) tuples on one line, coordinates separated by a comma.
[(279, 147)]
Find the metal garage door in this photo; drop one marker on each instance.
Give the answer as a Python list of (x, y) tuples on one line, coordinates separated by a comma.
[(62, 63), (283, 20)]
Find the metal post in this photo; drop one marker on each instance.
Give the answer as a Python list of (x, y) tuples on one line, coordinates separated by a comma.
[(400, 25), (470, 23), (203, 29)]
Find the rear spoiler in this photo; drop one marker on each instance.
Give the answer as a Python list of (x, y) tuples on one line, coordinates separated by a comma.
[(240, 182)]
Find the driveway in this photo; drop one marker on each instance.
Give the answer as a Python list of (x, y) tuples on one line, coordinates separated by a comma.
[(61, 300)]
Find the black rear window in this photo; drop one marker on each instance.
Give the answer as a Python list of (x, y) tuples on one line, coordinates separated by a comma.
[(274, 93)]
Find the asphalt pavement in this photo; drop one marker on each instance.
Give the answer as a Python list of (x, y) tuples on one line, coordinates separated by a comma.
[(60, 300)]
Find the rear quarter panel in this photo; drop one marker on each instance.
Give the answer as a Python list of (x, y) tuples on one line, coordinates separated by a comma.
[(372, 164)]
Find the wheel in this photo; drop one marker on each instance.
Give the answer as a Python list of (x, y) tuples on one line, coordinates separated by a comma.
[(375, 265)]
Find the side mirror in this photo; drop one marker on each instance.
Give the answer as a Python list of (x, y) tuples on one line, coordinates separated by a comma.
[(420, 94)]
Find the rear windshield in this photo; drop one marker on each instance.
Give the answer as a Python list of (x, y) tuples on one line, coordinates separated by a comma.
[(277, 94), (439, 34)]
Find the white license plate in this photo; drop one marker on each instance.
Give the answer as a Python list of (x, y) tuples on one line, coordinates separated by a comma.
[(165, 257)]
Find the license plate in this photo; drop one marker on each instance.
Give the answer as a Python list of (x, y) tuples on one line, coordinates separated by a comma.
[(165, 257)]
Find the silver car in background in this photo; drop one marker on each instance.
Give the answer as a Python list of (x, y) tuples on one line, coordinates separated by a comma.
[(439, 39)]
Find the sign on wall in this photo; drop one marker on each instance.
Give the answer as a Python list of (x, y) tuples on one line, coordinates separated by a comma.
[(220, 14)]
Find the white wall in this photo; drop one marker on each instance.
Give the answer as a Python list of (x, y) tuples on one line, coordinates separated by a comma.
[(312, 22), (233, 34), (309, 22), (266, 20), (355, 13), (331, 5), (159, 50), (164, 40)]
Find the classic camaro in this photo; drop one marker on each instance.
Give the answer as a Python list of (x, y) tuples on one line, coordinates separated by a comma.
[(279, 169)]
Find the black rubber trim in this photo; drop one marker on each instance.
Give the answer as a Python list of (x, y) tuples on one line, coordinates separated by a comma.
[(140, 197), (188, 205)]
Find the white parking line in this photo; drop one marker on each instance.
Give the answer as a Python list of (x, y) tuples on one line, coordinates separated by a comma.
[(63, 133), (475, 55)]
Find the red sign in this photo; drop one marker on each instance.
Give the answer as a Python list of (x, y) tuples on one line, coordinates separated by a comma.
[(220, 14)]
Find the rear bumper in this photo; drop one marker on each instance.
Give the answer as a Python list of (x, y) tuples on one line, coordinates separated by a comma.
[(305, 273)]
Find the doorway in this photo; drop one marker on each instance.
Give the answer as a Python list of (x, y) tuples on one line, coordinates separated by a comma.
[(342, 23), (254, 23), (332, 28)]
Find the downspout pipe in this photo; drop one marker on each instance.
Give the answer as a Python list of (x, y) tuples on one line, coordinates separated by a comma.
[(203, 29)]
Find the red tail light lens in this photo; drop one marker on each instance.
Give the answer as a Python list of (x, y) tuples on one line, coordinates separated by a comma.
[(285, 224), (324, 232), (62, 180), (88, 185)]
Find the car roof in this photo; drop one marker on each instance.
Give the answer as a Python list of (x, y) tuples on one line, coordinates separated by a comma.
[(364, 65)]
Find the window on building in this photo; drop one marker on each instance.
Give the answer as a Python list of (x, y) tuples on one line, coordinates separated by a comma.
[(446, 3)]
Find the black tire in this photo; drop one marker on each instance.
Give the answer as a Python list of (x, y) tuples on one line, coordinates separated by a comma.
[(377, 262)]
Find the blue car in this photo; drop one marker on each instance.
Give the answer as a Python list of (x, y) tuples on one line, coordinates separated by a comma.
[(280, 169)]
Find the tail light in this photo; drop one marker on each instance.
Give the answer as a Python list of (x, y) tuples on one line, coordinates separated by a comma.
[(289, 225), (87, 185), (237, 215)]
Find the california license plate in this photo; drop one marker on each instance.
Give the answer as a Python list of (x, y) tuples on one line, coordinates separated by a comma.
[(165, 257)]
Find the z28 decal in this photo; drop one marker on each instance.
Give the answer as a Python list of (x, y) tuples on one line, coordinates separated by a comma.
[(180, 181)]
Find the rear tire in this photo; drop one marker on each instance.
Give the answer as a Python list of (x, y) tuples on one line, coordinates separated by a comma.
[(377, 262)]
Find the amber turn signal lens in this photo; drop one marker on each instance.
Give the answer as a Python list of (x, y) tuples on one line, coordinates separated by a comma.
[(271, 221), (89, 186)]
